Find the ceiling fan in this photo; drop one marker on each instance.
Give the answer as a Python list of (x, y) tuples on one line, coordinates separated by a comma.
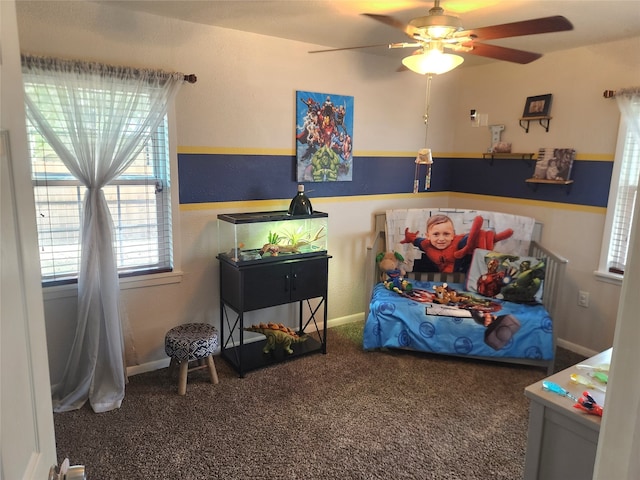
[(435, 32)]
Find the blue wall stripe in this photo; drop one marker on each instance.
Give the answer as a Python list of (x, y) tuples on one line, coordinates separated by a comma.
[(224, 177), (506, 178), (207, 178)]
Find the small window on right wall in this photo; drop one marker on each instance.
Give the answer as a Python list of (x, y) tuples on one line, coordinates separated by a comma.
[(620, 206)]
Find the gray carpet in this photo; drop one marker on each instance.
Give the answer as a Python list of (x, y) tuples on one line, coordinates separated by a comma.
[(348, 414)]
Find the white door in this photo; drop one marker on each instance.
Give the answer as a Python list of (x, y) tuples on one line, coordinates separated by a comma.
[(26, 419)]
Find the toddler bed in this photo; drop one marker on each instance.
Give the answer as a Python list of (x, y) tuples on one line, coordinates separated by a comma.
[(501, 287)]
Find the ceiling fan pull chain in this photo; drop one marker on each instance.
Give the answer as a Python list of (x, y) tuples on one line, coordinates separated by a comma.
[(424, 154), (426, 108)]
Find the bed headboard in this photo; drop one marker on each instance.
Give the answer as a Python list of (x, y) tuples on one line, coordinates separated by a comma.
[(554, 270)]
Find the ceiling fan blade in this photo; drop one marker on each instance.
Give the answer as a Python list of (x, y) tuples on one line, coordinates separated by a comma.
[(350, 48), (557, 23), (503, 53), (409, 30), (405, 45)]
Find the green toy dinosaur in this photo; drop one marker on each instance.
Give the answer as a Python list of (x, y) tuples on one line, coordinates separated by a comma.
[(277, 334)]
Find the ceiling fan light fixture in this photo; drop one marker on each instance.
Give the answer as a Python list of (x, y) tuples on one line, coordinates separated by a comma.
[(432, 61), (437, 27), (440, 31)]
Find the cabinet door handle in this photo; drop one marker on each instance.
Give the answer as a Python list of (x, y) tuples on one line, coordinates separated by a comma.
[(293, 282), (286, 283)]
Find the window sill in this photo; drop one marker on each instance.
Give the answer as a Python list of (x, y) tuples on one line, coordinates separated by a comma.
[(608, 277), (143, 281)]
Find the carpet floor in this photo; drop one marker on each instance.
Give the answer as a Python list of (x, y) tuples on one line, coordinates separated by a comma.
[(348, 414)]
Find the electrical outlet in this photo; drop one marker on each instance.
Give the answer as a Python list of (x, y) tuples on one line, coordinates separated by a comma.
[(583, 299)]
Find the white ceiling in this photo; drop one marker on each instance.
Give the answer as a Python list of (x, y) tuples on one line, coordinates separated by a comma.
[(339, 23)]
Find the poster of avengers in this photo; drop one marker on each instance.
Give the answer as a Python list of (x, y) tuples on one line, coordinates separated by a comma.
[(324, 137)]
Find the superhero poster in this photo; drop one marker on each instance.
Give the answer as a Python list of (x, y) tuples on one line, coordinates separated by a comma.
[(324, 136)]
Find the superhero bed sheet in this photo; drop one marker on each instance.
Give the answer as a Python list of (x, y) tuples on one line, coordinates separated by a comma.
[(502, 311), (469, 324)]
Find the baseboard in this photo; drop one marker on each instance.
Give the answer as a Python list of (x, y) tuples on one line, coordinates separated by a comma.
[(336, 322), (148, 367), (579, 349)]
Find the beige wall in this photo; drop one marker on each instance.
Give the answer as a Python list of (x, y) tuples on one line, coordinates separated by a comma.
[(244, 99), (582, 118)]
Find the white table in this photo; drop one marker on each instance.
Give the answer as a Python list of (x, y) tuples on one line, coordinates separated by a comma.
[(562, 440)]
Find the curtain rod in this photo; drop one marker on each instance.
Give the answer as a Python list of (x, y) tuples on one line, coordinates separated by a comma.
[(609, 93), (40, 60)]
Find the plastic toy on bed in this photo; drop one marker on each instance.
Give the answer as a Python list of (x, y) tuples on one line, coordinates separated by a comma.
[(392, 272), (446, 294), (393, 277)]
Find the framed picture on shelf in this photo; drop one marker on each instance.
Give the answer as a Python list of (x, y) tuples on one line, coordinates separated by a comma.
[(554, 164), (538, 106)]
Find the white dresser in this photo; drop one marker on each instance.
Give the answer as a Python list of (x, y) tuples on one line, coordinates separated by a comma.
[(562, 440)]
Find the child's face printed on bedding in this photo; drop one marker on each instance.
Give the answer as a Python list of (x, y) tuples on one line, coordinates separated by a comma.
[(440, 235)]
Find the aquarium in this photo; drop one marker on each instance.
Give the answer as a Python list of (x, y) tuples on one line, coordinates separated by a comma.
[(245, 238)]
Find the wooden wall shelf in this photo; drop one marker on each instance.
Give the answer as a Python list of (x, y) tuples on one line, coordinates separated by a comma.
[(552, 182), (543, 121), (537, 181), (510, 156)]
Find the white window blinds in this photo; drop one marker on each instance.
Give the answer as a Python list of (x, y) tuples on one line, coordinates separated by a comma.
[(625, 200), (139, 202)]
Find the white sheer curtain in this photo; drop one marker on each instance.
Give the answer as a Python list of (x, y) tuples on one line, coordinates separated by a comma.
[(629, 103), (97, 132)]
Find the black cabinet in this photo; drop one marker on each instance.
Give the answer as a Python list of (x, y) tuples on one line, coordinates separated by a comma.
[(257, 286)]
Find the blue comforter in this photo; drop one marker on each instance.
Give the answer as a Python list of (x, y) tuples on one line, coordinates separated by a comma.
[(483, 327)]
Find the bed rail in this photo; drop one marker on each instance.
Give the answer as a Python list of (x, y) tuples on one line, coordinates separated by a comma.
[(555, 266)]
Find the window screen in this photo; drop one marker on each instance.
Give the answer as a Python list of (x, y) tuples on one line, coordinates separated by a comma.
[(625, 200), (139, 201)]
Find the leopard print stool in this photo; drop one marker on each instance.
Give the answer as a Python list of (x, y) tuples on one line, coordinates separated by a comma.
[(191, 342)]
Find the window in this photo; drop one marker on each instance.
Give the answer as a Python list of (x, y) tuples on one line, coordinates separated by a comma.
[(622, 196), (139, 201)]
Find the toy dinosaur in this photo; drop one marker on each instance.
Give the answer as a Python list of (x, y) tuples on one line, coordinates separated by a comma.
[(277, 333)]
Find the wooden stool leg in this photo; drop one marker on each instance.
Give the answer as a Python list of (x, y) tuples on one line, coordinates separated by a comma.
[(172, 365), (212, 369), (182, 379)]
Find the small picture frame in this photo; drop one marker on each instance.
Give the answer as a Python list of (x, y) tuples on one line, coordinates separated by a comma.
[(538, 106), (554, 164)]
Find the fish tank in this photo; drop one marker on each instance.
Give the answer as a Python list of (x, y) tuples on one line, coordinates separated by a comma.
[(258, 237)]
